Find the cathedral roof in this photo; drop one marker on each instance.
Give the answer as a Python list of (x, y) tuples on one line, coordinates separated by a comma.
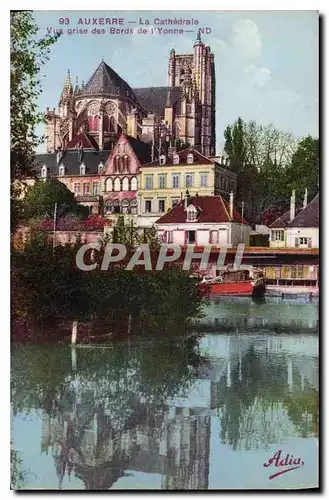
[(153, 99), (106, 81)]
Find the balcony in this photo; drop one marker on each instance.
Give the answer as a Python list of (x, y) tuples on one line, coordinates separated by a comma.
[(87, 197)]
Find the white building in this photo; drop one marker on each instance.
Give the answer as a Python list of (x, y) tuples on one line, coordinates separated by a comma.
[(299, 231), (204, 220)]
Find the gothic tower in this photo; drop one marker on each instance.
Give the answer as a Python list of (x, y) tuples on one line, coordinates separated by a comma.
[(196, 71)]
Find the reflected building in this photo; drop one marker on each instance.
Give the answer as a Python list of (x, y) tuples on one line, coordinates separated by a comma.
[(173, 442)]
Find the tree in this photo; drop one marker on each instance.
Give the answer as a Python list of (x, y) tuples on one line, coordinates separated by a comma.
[(28, 53), (304, 168), (259, 155), (40, 199)]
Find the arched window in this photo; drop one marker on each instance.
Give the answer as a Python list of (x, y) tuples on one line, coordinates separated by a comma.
[(106, 124), (133, 206), (82, 169), (44, 172), (108, 207), (112, 126), (117, 184), (126, 161), (133, 184), (121, 164), (125, 184), (116, 207), (116, 164), (93, 123), (125, 206), (61, 170), (108, 184)]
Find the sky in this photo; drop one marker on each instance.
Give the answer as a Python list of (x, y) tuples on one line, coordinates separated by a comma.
[(266, 61)]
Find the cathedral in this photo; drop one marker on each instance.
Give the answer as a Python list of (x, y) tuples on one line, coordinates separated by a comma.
[(94, 115)]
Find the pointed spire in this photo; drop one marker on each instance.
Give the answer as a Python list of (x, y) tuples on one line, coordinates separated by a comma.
[(67, 89), (76, 85), (198, 38)]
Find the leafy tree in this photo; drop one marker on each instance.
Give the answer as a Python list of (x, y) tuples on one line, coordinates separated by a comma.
[(40, 199), (304, 169), (28, 53)]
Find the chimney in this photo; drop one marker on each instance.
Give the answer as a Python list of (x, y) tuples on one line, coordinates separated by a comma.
[(231, 204), (305, 199), (292, 205)]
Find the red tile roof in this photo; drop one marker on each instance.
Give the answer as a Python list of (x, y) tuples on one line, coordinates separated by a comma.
[(198, 159), (211, 209)]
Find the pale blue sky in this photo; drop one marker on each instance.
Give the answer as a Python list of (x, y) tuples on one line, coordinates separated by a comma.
[(266, 62)]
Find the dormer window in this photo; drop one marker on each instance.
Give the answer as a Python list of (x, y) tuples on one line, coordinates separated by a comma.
[(61, 170), (191, 213), (175, 159), (44, 172), (82, 169), (162, 160), (190, 158), (100, 167)]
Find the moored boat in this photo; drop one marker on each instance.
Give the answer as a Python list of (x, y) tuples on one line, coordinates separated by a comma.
[(234, 283)]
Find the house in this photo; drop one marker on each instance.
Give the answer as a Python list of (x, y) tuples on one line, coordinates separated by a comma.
[(105, 181), (204, 220), (163, 182), (299, 231)]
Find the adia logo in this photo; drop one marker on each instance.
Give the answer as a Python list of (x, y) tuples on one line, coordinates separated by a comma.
[(279, 460)]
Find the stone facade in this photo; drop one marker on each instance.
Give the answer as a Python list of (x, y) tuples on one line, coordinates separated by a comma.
[(96, 114)]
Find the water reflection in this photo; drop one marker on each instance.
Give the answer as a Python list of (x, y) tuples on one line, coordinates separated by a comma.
[(161, 415)]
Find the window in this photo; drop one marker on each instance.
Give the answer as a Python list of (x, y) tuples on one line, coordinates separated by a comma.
[(149, 182), (162, 160), (108, 184), (161, 205), (148, 206), (116, 164), (95, 188), (190, 237), (86, 189), (61, 170), (303, 242), (116, 207), (100, 167), (133, 206), (133, 184), (162, 181), (125, 184), (188, 180), (278, 235), (204, 180), (117, 184), (125, 162), (174, 203), (190, 158), (77, 188), (168, 236), (125, 206), (213, 237), (44, 171), (175, 180), (82, 169), (191, 214), (175, 159), (108, 208)]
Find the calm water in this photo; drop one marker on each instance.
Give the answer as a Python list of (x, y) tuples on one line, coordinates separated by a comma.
[(166, 416)]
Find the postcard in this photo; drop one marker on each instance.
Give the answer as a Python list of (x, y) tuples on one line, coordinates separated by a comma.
[(165, 250)]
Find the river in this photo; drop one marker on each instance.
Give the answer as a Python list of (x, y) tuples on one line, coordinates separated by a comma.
[(163, 415)]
